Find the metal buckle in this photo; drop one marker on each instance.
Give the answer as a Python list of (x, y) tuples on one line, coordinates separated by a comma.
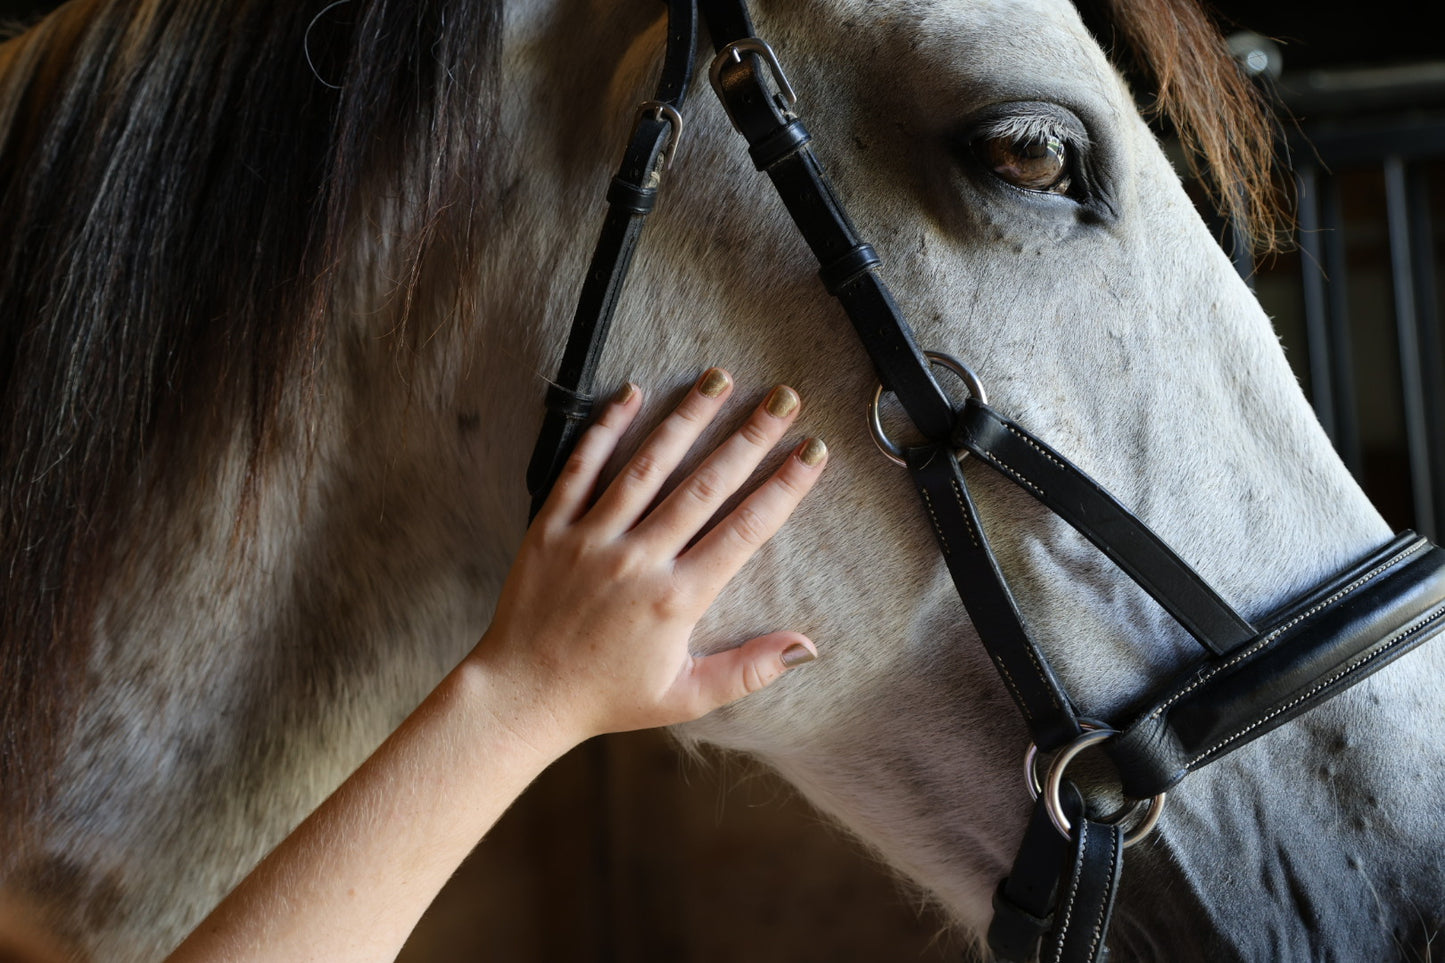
[(1093, 735), (660, 110), (875, 423), (735, 51)]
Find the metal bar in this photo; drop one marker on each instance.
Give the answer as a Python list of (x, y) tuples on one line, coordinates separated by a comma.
[(1412, 376), (1341, 353), (1327, 317), (1427, 336), (1312, 271)]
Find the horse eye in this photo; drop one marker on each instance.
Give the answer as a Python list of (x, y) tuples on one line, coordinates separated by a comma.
[(1038, 164)]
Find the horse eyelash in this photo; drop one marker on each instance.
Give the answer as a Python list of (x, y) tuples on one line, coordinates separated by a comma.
[(1027, 127)]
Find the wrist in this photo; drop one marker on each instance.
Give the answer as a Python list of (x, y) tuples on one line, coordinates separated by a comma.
[(505, 700)]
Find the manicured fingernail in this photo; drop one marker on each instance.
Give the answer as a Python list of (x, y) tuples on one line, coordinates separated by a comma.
[(714, 381), (782, 401), (624, 394), (797, 654), (813, 452)]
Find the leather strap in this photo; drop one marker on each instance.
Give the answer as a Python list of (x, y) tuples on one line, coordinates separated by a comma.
[(1086, 895), (985, 594), (1056, 903), (1023, 903), (1341, 632), (779, 145), (630, 198), (1079, 500)]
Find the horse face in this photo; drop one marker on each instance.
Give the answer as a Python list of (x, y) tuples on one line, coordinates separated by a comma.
[(1031, 225)]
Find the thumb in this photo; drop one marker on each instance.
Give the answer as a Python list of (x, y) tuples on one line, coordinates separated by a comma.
[(725, 677)]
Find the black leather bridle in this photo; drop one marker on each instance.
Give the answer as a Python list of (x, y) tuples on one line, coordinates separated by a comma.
[(1056, 902)]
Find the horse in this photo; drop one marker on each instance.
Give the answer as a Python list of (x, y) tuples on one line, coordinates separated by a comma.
[(283, 284)]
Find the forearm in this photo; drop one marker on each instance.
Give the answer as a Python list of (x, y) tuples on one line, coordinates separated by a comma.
[(351, 882), (353, 879)]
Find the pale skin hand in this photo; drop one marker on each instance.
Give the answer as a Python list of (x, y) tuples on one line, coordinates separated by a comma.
[(590, 636)]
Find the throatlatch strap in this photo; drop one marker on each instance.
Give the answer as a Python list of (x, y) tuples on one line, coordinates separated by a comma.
[(630, 199)]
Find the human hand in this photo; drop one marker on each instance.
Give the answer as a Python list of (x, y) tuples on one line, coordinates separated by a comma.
[(595, 617)]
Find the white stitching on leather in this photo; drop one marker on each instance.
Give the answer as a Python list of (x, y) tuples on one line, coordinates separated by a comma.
[(1018, 696), (1267, 640), (1073, 886), (1042, 677), (963, 510), (1034, 445), (937, 528), (1347, 670), (1099, 924), (1014, 474)]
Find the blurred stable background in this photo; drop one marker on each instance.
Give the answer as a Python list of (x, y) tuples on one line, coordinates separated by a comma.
[(625, 852)]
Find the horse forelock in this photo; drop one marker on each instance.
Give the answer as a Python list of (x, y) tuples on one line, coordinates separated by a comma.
[(182, 184), (1221, 117)]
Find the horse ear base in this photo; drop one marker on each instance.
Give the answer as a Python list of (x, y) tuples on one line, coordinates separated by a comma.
[(1223, 119)]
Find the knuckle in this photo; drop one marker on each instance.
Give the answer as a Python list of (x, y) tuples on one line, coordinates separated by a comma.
[(788, 485), (754, 678), (706, 485), (576, 466), (668, 606), (644, 467), (692, 413), (749, 526), (624, 563), (756, 433)]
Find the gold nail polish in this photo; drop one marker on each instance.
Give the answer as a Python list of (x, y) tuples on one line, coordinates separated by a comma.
[(714, 382), (624, 394), (782, 402), (813, 452), (797, 654)]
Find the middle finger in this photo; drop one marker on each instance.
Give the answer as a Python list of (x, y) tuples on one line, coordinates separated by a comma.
[(688, 507)]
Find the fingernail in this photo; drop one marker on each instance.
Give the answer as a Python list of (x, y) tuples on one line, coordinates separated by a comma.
[(813, 452), (714, 381), (782, 402), (797, 654), (624, 394)]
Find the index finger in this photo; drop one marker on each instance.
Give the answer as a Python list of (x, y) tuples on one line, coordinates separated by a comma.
[(573, 488)]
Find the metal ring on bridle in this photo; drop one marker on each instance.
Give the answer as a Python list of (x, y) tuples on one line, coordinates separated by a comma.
[(734, 52), (1032, 782), (660, 110), (1055, 779), (875, 422)]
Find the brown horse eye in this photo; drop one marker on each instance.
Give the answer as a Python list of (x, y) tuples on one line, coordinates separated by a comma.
[(1040, 164)]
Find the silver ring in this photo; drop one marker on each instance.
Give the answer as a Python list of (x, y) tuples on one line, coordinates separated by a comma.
[(875, 423), (1055, 780), (1032, 782)]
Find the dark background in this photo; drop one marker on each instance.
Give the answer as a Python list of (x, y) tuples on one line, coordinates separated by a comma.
[(1312, 36)]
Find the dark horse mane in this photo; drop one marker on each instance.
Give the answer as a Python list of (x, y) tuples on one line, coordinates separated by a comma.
[(180, 180)]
